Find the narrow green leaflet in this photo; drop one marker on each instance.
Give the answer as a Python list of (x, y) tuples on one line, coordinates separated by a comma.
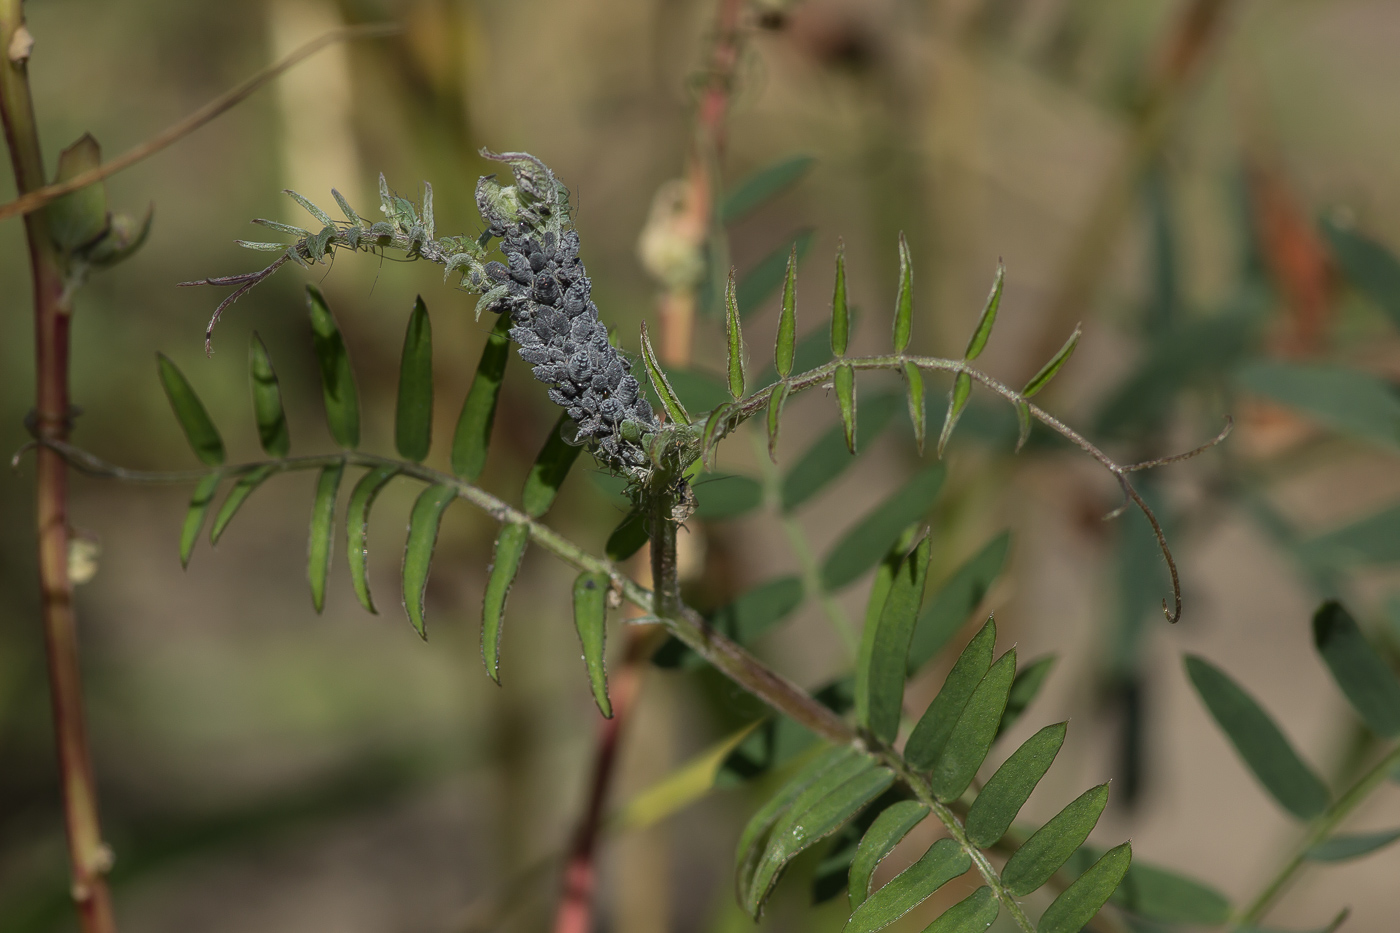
[(1078, 903), (590, 620), (973, 914), (1365, 678), (830, 455), (413, 425), (720, 496), (1259, 741), (988, 318), (200, 501), (318, 549), (734, 340), (189, 411), (1052, 845), (1343, 848), (943, 862), (675, 411), (957, 401), (337, 378), (1167, 897), (933, 728), (918, 413), (776, 399), (763, 185), (884, 579), (628, 537), (971, 739), (423, 524), (242, 488), (758, 609), (786, 344), (956, 600), (267, 401), (820, 811), (1048, 371), (1023, 425), (840, 313), (551, 468), (1344, 399), (862, 546), (310, 208), (1024, 689), (904, 304), (510, 548), (473, 435), (766, 276), (844, 379), (892, 825), (357, 526), (813, 350), (1371, 268), (1007, 791), (885, 645)]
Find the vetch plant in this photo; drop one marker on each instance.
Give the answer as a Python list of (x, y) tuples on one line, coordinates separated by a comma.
[(861, 770)]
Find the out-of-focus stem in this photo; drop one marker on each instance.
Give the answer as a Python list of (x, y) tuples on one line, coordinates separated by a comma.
[(88, 855)]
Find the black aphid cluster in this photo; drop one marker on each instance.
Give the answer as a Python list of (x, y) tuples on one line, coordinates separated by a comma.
[(545, 290)]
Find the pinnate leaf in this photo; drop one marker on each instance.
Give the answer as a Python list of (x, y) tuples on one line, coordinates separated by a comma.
[(931, 732), (957, 401), (1052, 845), (892, 825), (943, 862), (1264, 748), (337, 378), (267, 402), (243, 487), (590, 620), (884, 647), (200, 501), (973, 914), (1007, 791), (413, 426), (357, 527), (870, 539), (423, 523), (1365, 678), (510, 548), (473, 435), (1047, 372), (189, 411), (1024, 689), (971, 738), (1078, 903), (989, 317), (318, 551)]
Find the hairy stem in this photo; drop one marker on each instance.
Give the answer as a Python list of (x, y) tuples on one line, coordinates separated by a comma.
[(88, 855), (1321, 828)]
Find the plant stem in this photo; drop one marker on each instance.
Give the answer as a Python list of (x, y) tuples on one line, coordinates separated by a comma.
[(88, 855), (1320, 830)]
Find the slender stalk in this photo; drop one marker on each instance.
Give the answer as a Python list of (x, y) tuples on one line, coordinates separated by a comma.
[(88, 855), (1321, 828)]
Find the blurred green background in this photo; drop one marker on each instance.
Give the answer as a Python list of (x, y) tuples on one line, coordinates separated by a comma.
[(1208, 186)]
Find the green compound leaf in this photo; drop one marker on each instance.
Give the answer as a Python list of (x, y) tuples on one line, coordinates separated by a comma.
[(931, 733), (720, 496), (1264, 748), (971, 739), (1078, 903), (357, 527), (957, 401), (337, 378), (762, 186), (318, 549), (884, 647), (973, 914), (242, 488), (844, 380), (1346, 847), (267, 401), (189, 411), (1365, 678), (766, 276), (1047, 372), (840, 313), (1053, 844), (510, 548), (753, 841), (943, 862), (892, 825), (734, 340), (628, 537), (1010, 787), (820, 810), (904, 304), (423, 524), (413, 425), (1024, 689), (551, 468), (918, 412), (1343, 399), (830, 455), (776, 400), (862, 547), (200, 501), (590, 620), (956, 600), (473, 435), (786, 345), (1371, 268), (988, 318), (675, 411)]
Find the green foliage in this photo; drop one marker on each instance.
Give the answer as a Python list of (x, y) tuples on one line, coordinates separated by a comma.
[(786, 346), (1051, 846), (413, 426), (1367, 681), (768, 274), (892, 825), (1368, 265), (337, 378), (243, 487), (510, 548), (357, 526), (734, 341), (1079, 902), (943, 862), (971, 737), (830, 455), (473, 435), (590, 621), (955, 601), (763, 185), (933, 728), (189, 411), (200, 502), (863, 545), (1345, 400), (267, 402), (1007, 791), (423, 524), (549, 471), (318, 551), (885, 645)]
